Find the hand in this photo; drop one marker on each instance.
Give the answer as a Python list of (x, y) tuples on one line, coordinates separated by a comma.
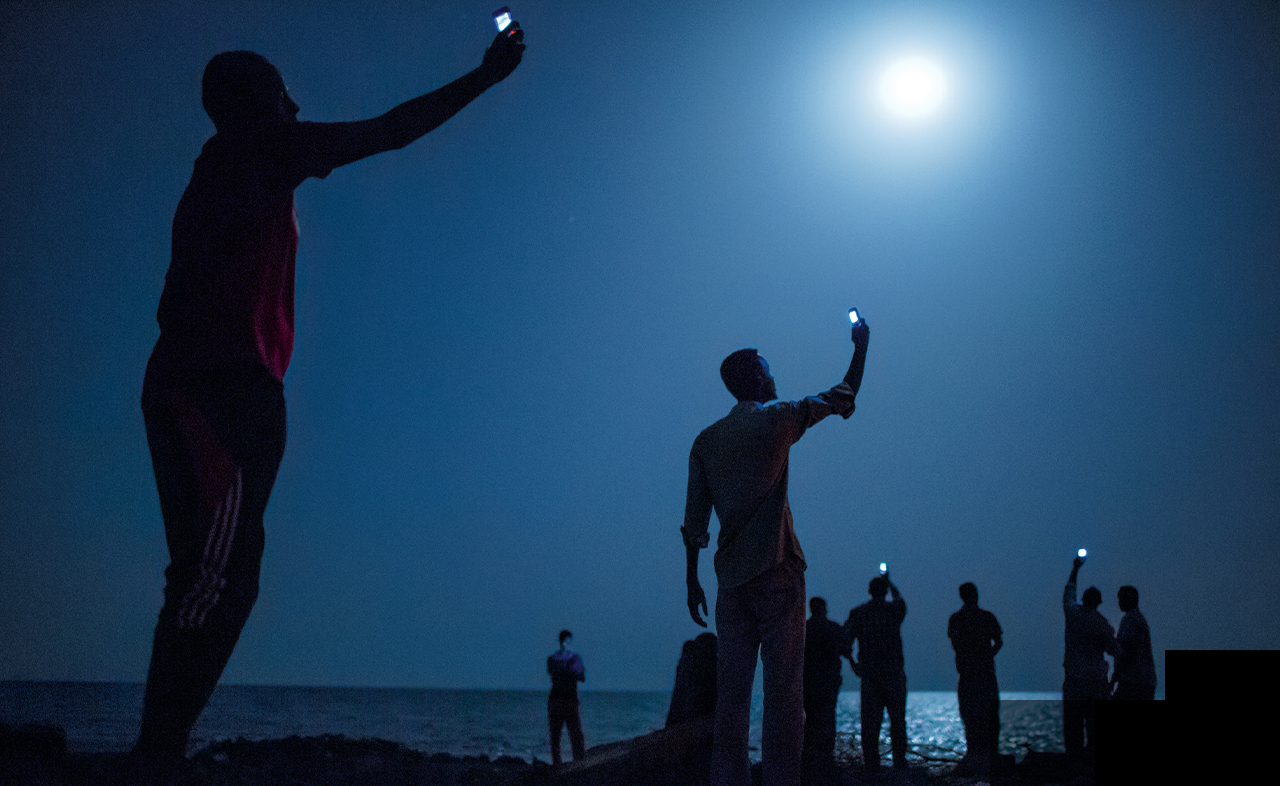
[(697, 598), (1076, 563), (860, 334), (504, 54)]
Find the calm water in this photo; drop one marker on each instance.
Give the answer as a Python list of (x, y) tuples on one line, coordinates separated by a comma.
[(100, 716)]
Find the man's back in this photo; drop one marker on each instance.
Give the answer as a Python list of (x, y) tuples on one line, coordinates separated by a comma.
[(877, 627), (1135, 665), (739, 467), (972, 631), (824, 644)]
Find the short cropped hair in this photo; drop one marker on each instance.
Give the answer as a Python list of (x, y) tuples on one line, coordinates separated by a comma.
[(878, 587), (565, 634), (1128, 596), (1092, 597), (969, 592), (232, 82), (741, 372), (818, 604)]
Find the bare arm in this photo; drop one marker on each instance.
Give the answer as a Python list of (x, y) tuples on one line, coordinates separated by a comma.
[(348, 142), (696, 597), (697, 517), (1069, 591), (861, 335)]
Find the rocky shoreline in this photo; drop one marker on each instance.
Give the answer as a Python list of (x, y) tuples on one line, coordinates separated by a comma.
[(37, 756)]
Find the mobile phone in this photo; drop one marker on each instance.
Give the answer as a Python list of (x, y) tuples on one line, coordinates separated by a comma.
[(502, 18), (884, 568), (853, 316)]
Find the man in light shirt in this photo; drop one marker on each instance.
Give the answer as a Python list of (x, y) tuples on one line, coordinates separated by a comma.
[(738, 467)]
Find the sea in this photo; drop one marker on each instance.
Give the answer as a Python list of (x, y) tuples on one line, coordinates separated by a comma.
[(104, 716)]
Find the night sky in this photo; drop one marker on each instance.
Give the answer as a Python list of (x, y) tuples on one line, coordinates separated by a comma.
[(509, 332)]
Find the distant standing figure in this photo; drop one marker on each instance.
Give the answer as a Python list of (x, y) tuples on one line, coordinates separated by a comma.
[(824, 644), (738, 467), (213, 393), (1135, 673), (1088, 637), (876, 626), (565, 668), (976, 638)]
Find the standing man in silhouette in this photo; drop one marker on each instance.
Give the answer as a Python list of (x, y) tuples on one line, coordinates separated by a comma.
[(1134, 676), (565, 668), (877, 628), (824, 645), (213, 393), (976, 638), (738, 467), (1088, 637)]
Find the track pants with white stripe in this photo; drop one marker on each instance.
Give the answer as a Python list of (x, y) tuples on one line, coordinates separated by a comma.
[(216, 442)]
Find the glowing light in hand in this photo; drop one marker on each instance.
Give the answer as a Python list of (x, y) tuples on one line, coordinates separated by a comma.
[(912, 88)]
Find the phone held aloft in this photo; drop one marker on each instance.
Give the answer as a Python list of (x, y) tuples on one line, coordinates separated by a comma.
[(502, 19)]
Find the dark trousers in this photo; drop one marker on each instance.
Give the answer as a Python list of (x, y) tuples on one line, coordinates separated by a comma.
[(216, 441), (1079, 724), (880, 695), (763, 618), (563, 712), (820, 723), (979, 697)]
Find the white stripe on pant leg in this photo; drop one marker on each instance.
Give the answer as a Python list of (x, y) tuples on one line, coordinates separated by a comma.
[(209, 580), (218, 565)]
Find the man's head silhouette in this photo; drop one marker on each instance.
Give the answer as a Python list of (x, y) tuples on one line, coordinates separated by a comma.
[(818, 606), (969, 592), (878, 587), (242, 89), (747, 377), (1091, 598), (1128, 597)]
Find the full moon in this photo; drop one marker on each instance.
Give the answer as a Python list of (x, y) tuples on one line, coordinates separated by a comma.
[(912, 88)]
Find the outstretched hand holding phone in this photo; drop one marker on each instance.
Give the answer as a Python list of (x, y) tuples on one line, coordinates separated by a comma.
[(507, 49), (860, 332)]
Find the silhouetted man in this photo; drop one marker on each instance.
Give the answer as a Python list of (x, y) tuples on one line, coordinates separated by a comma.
[(1088, 637), (565, 668), (738, 467), (876, 626), (824, 644), (213, 396), (976, 638), (1135, 672)]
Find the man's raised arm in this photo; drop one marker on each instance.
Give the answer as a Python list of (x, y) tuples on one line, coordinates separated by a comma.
[(1069, 591), (861, 335), (345, 143)]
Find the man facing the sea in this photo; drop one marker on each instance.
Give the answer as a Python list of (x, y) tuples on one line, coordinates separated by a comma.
[(1134, 676), (976, 637), (738, 467), (1088, 637), (825, 643), (877, 628)]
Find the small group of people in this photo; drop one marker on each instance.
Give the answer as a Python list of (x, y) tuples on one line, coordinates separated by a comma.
[(739, 468), (1089, 638), (876, 628)]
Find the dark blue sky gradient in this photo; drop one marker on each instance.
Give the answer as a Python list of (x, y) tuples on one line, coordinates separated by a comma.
[(508, 333)]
